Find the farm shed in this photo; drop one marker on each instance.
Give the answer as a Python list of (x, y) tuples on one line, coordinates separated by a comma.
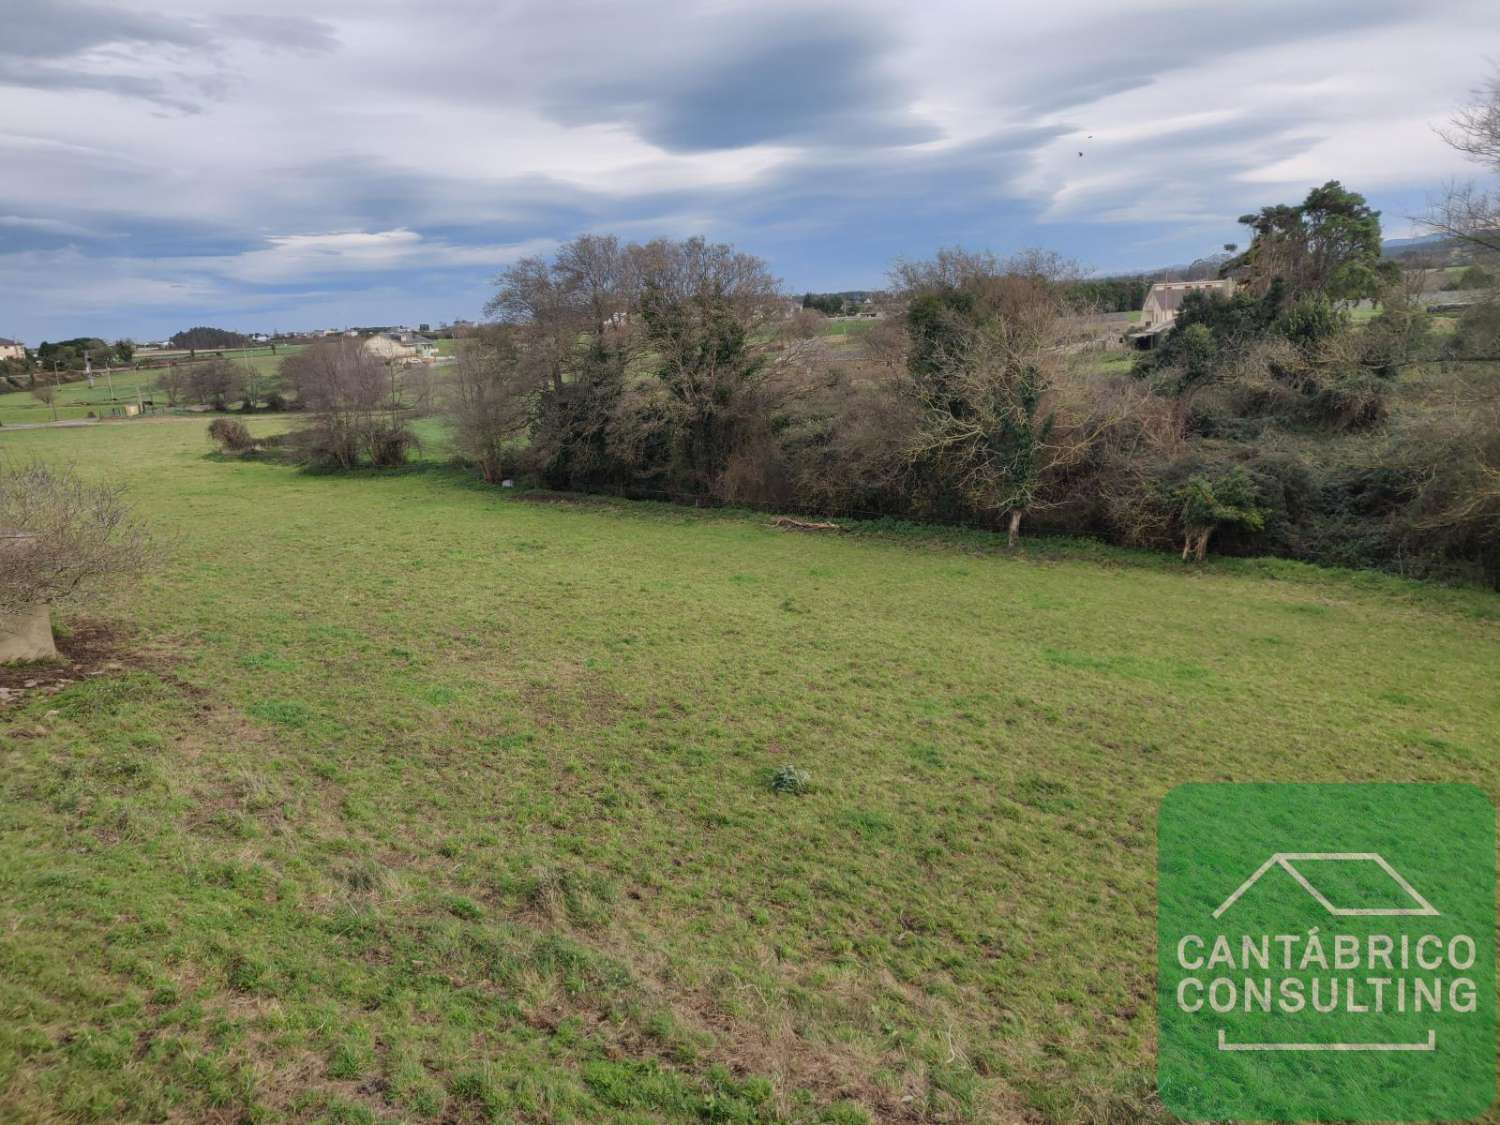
[(1164, 302)]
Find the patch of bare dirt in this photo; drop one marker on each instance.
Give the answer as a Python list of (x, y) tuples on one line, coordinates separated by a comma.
[(92, 648), (572, 697)]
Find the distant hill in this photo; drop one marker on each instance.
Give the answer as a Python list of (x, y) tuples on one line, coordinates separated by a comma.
[(209, 338), (1393, 246), (1435, 249)]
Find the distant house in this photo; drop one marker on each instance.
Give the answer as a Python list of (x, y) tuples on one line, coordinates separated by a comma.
[(1164, 302), (402, 347), (11, 349), (389, 346)]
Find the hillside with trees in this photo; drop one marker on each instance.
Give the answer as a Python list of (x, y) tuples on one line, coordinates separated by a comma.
[(847, 303), (203, 338), (1269, 421)]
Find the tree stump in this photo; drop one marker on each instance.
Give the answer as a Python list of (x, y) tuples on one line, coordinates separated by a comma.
[(27, 633)]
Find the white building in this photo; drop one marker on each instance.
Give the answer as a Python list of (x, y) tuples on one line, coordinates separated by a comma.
[(388, 346), (396, 347), (1164, 301)]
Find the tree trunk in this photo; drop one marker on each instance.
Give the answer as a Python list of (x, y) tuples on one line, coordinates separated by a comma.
[(1014, 535), (1195, 543)]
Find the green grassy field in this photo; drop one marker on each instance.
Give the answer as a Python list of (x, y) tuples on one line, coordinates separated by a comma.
[(1113, 361), (76, 400), (413, 800), (851, 327)]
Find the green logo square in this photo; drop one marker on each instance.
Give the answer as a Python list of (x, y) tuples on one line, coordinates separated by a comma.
[(1326, 952)]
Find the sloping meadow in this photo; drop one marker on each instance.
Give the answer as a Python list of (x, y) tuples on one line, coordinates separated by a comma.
[(414, 800)]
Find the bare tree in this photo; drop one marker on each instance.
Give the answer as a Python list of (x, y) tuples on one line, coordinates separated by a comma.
[(602, 278), (216, 383), (701, 279), (1466, 212), (490, 401), (704, 305), (571, 329), (1470, 215), (804, 324), (64, 538), (1475, 129), (987, 353), (173, 382), (45, 393), (357, 402), (231, 435), (551, 306)]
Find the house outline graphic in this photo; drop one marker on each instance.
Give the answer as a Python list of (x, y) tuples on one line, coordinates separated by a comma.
[(1284, 860)]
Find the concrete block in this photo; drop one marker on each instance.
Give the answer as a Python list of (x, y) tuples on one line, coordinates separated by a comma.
[(27, 636)]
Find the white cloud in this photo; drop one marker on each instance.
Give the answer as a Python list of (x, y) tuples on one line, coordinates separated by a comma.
[(298, 259), (344, 138), (47, 226), (301, 257)]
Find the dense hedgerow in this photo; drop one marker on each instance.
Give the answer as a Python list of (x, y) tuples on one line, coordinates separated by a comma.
[(1266, 421)]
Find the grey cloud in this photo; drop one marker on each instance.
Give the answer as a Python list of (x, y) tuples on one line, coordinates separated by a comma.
[(799, 78), (1123, 50), (54, 35), (441, 119), (47, 29), (37, 76), (978, 168), (293, 33)]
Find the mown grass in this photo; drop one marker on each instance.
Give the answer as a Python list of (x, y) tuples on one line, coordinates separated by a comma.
[(417, 800), (76, 400), (846, 327)]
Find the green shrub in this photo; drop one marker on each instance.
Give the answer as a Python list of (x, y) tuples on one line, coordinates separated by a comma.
[(1211, 503), (1475, 277), (789, 779), (1478, 333), (1401, 334), (1310, 320), (390, 445), (230, 435)]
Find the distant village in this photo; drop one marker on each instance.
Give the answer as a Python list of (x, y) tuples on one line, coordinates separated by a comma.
[(391, 341)]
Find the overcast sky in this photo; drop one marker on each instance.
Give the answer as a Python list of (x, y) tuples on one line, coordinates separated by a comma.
[(303, 163)]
